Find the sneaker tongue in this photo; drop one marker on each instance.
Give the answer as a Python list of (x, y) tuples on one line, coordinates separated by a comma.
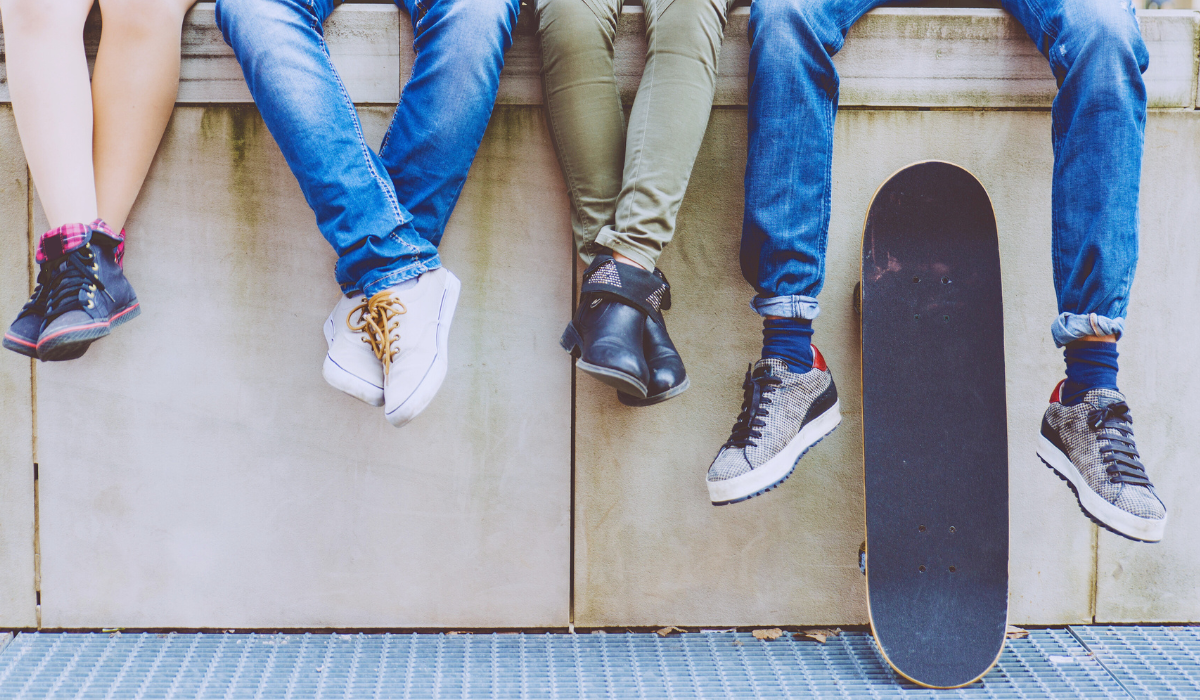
[(1103, 397), (777, 365)]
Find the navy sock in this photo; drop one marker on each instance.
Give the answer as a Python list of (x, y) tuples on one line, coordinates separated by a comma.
[(789, 339), (1090, 365)]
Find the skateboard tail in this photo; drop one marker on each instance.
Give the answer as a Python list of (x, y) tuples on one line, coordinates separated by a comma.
[(914, 677)]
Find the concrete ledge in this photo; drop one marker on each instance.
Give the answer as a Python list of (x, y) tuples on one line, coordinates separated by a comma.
[(897, 57)]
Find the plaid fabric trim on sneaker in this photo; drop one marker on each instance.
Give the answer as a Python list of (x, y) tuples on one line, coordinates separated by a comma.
[(57, 242)]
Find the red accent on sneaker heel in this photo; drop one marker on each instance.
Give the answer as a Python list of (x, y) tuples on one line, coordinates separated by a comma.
[(818, 361), (1056, 397)]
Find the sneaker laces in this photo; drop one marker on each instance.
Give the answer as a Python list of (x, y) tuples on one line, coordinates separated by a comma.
[(37, 300), (756, 387), (1114, 424), (378, 318), (73, 283)]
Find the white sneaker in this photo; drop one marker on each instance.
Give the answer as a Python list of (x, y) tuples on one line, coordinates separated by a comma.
[(391, 350), (412, 326), (351, 364)]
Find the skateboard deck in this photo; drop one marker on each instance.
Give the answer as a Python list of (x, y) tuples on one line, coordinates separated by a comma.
[(935, 434)]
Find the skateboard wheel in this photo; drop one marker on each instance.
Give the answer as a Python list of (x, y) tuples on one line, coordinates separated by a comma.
[(858, 298)]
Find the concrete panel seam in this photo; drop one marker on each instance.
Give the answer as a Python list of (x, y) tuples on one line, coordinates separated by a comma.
[(31, 246), (1196, 59)]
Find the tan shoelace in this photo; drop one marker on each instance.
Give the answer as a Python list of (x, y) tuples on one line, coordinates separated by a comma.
[(377, 320)]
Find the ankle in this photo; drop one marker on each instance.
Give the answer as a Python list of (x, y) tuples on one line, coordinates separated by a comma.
[(627, 261)]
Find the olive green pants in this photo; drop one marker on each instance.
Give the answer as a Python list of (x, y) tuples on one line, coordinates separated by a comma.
[(626, 184)]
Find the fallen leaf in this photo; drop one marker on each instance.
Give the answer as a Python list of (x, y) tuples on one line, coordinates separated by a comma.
[(737, 642), (1014, 632), (818, 635), (768, 635), (666, 631)]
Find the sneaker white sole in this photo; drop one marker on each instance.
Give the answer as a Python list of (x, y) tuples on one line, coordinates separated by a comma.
[(1113, 517), (424, 392), (779, 467), (343, 380)]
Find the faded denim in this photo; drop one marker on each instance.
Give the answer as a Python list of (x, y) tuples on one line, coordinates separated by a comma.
[(1096, 51), (384, 213)]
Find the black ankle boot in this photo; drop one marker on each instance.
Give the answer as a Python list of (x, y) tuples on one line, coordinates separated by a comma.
[(668, 378), (607, 331)]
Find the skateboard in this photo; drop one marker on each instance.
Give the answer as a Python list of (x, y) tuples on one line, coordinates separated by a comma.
[(935, 436)]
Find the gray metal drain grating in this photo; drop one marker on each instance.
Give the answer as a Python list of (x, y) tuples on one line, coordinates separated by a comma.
[(1152, 662), (1047, 664)]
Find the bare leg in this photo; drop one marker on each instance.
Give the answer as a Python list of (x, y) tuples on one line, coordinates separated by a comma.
[(628, 261), (134, 85), (52, 102)]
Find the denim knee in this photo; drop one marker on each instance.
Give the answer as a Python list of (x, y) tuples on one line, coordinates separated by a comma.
[(1103, 36), (482, 29), (767, 17), (232, 14)]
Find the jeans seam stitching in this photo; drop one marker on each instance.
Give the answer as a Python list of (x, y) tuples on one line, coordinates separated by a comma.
[(387, 137), (389, 192)]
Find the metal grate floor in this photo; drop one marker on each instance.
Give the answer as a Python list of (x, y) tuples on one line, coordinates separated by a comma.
[(1144, 662)]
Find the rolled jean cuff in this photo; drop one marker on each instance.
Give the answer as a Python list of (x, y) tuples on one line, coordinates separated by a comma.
[(609, 238), (372, 284), (797, 306), (1068, 327)]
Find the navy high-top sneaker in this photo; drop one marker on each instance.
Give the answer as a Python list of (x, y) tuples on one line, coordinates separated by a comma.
[(22, 335), (87, 292)]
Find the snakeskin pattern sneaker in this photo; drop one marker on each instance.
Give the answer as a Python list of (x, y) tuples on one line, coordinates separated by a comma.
[(1091, 447), (783, 414)]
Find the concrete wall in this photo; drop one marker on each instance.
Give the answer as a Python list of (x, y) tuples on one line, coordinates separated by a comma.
[(195, 471)]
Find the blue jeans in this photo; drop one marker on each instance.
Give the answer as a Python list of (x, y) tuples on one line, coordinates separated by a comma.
[(1095, 50), (383, 213)]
